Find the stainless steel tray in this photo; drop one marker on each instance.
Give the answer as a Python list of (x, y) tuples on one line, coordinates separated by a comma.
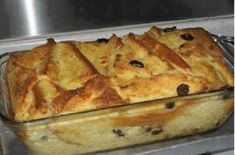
[(213, 141)]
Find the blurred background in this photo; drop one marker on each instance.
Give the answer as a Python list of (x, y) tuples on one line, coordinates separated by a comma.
[(25, 18)]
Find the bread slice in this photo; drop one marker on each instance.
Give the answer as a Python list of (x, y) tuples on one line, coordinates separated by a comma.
[(53, 79)]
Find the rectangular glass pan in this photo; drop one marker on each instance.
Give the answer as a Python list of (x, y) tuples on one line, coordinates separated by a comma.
[(40, 131), (117, 127)]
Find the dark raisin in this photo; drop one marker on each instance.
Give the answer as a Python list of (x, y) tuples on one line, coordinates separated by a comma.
[(137, 63), (169, 29), (50, 40), (187, 36), (170, 105), (156, 131), (102, 40), (44, 138), (182, 90), (118, 132), (149, 129)]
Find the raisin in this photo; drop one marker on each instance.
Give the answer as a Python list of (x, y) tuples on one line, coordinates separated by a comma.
[(182, 90), (187, 36), (51, 40), (169, 29), (156, 131), (118, 132), (149, 129), (170, 105), (102, 40), (136, 63)]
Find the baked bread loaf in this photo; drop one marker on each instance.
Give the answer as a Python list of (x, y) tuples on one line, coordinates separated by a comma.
[(71, 76)]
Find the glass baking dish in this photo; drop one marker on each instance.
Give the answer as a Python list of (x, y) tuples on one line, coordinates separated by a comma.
[(121, 126)]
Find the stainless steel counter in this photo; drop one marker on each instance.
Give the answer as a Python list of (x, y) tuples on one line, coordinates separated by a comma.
[(24, 18)]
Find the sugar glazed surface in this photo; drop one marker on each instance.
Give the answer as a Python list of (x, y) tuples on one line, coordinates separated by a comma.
[(70, 76)]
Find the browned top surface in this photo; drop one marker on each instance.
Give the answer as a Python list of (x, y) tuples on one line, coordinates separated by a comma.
[(65, 77)]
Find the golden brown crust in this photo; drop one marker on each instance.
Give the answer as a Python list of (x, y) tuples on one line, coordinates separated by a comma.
[(96, 93), (65, 77)]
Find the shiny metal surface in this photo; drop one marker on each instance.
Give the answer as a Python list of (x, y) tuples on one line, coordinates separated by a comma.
[(222, 38), (24, 18)]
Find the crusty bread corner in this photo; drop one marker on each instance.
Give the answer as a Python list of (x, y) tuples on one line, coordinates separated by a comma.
[(44, 83), (71, 76)]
